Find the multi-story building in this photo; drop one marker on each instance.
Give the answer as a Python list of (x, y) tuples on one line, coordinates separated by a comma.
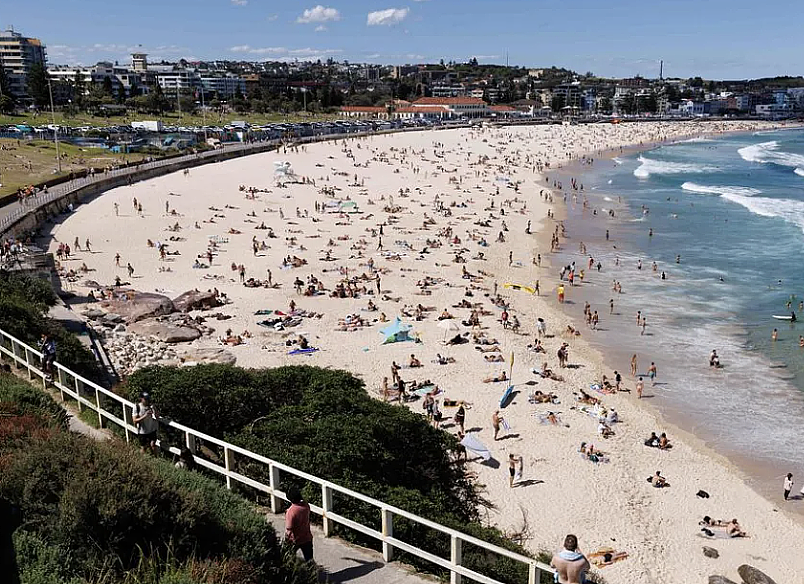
[(224, 86), (469, 107), (454, 90), (17, 55), (125, 83)]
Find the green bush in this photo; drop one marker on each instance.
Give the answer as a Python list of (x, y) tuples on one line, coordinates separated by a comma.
[(323, 422), (99, 512), (24, 303), (19, 397)]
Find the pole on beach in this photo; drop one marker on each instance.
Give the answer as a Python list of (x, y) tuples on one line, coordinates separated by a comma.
[(55, 127)]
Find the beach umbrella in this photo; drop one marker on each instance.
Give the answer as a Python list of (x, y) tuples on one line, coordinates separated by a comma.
[(450, 326)]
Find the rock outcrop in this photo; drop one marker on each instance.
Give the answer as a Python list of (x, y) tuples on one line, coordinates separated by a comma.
[(751, 575), (210, 355), (139, 305), (710, 552), (167, 332), (195, 300)]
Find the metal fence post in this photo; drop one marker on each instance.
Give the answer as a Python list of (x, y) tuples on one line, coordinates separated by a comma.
[(28, 363), (128, 421), (189, 441), (534, 574), (97, 403), (78, 394), (326, 505), (228, 456), (60, 376), (387, 531), (273, 482), (455, 558)]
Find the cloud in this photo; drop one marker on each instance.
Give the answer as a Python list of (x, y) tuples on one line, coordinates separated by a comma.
[(387, 17), (239, 2), (319, 14), (273, 17), (320, 28), (285, 54)]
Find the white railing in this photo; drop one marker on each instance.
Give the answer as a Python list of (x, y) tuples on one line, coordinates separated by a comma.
[(76, 387)]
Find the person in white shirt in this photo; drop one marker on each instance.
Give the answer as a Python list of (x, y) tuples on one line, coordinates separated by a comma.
[(788, 485), (146, 418)]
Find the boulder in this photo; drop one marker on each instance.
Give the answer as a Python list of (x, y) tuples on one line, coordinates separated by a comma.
[(210, 355), (164, 331), (139, 306), (710, 552), (751, 575), (195, 300), (720, 580)]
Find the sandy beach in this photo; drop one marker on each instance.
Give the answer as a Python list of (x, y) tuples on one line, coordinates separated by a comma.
[(430, 227)]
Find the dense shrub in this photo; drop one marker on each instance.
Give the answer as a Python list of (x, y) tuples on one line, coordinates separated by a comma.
[(24, 303), (96, 512), (19, 397), (323, 422)]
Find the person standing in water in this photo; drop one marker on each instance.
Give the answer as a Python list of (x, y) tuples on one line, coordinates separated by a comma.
[(652, 372)]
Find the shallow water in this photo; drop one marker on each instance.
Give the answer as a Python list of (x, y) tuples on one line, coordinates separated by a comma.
[(733, 210)]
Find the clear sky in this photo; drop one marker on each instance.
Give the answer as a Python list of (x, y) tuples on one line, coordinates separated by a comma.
[(731, 39)]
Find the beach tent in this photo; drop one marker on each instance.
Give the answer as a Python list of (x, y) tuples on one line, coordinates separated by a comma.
[(396, 332), (349, 207)]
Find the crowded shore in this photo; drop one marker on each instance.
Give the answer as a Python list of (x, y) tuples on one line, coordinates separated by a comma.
[(421, 262)]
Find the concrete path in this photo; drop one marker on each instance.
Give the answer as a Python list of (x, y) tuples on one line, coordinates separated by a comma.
[(343, 562)]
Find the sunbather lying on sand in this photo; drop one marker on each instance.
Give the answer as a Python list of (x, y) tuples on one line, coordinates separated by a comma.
[(539, 397), (606, 557), (494, 358), (501, 377), (548, 373)]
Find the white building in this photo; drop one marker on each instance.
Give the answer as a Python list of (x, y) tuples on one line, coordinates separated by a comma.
[(17, 55), (470, 107)]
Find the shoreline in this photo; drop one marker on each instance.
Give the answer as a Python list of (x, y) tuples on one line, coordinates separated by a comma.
[(609, 501), (744, 464)]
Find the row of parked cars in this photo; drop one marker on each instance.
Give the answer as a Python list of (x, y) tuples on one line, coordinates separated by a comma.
[(276, 130)]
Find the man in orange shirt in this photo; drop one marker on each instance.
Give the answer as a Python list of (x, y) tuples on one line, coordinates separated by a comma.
[(297, 524)]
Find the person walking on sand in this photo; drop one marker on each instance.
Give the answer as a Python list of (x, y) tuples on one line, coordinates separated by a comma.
[(561, 293), (652, 372), (460, 417), (640, 385), (514, 473), (788, 485), (496, 419), (297, 524), (130, 269), (570, 564), (634, 365)]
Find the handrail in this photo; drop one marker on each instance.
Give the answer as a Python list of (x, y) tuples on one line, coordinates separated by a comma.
[(28, 357)]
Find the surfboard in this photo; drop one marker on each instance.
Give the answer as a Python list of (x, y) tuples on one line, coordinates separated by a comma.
[(476, 446), (506, 396), (782, 317)]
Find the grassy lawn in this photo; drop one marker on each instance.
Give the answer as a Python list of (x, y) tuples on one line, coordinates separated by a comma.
[(170, 119), (29, 162)]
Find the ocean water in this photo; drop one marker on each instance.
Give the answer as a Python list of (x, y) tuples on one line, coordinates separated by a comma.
[(732, 208)]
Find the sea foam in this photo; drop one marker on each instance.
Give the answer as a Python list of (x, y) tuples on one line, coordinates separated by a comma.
[(651, 166), (769, 153), (692, 187)]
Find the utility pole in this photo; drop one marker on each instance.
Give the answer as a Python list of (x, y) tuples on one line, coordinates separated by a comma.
[(55, 127)]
